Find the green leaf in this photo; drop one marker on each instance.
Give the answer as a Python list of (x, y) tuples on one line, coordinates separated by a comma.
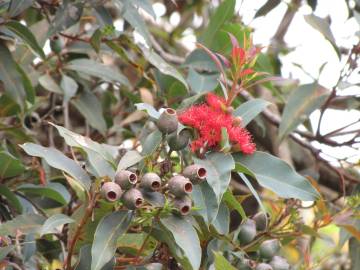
[(59, 161), (100, 156), (90, 107), (54, 191), (224, 143), (250, 109), (323, 27), (29, 89), (18, 6), (222, 221), (250, 187), (110, 228), (151, 143), (312, 4), (223, 13), (27, 223), (10, 77), (9, 165), (161, 65), (221, 263), (66, 15), (233, 203), (26, 36), (200, 60), (205, 202), (69, 87), (300, 104), (276, 175), (95, 40), (49, 84), (11, 198), (151, 111), (218, 167), (53, 222), (202, 83), (267, 7), (185, 237), (4, 251), (146, 5), (130, 158), (84, 262), (8, 107), (96, 69)]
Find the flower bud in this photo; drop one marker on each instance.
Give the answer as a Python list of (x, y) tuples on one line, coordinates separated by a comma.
[(125, 179), (183, 205), (230, 110), (279, 263), (168, 121), (237, 121), (247, 232), (180, 186), (261, 220), (132, 198), (179, 141), (111, 191), (151, 181), (56, 44), (195, 173), (263, 266), (269, 248)]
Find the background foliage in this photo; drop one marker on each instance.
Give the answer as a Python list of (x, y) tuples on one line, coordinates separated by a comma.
[(82, 83)]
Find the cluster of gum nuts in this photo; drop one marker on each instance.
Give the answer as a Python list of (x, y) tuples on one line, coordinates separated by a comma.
[(130, 188), (267, 250)]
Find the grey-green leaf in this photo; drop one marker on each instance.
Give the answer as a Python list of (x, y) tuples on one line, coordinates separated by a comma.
[(69, 87), (221, 263), (218, 167), (4, 251), (222, 221), (11, 198), (267, 7), (276, 175), (151, 142), (27, 223), (130, 158), (250, 109), (107, 232), (49, 84), (59, 161), (23, 33), (200, 83), (84, 262), (151, 111), (205, 201), (300, 104), (96, 69), (18, 6), (185, 237), (53, 222), (52, 190)]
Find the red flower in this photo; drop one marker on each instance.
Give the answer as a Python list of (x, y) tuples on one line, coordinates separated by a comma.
[(208, 120), (238, 56)]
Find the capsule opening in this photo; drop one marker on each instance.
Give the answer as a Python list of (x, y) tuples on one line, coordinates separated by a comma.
[(201, 172), (155, 185), (112, 195), (185, 209), (138, 202), (133, 178), (188, 187), (170, 111)]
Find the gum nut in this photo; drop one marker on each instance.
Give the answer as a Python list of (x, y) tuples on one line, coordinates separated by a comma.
[(183, 205), (263, 266), (269, 248), (151, 181), (247, 232), (125, 179), (168, 121), (195, 173), (180, 186), (111, 191), (279, 263), (179, 141), (244, 264), (132, 199), (261, 221), (56, 44)]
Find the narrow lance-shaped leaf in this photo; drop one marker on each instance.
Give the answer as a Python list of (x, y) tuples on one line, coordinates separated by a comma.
[(205, 202), (9, 165), (221, 263), (129, 159), (27, 223), (59, 161), (11, 198), (110, 228), (54, 191), (276, 175), (53, 222), (250, 109)]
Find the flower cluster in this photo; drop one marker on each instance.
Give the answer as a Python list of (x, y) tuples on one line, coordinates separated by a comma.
[(209, 118)]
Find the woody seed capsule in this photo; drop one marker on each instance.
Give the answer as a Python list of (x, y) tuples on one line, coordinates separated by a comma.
[(168, 121), (183, 205), (247, 232), (125, 179), (269, 248), (111, 191), (180, 186), (263, 266), (132, 199), (179, 141), (195, 173), (151, 181)]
